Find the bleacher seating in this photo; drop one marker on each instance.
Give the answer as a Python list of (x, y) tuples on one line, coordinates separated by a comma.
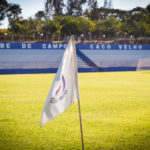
[(50, 58), (33, 59), (116, 58)]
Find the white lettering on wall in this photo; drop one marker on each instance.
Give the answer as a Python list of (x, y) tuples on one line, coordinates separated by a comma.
[(140, 47), (49, 46), (28, 46), (120, 46), (108, 46), (65, 45), (55, 45), (134, 46), (23, 45), (60, 45), (103, 46), (2, 45), (44, 46), (91, 46), (8, 45)]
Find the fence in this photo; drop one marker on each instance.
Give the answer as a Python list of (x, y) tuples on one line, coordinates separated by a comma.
[(89, 38)]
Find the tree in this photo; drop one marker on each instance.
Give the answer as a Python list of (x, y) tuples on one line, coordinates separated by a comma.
[(108, 27), (40, 15), (13, 11), (92, 11), (137, 25), (54, 8), (74, 7), (53, 26), (69, 26), (148, 9), (137, 10), (70, 7), (85, 25), (9, 10), (3, 9)]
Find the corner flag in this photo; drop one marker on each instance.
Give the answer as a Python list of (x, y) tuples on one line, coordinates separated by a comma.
[(64, 91)]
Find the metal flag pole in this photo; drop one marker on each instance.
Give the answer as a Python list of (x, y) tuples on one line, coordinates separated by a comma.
[(81, 124), (72, 37)]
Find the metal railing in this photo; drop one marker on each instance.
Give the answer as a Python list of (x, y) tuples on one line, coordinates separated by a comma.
[(40, 37)]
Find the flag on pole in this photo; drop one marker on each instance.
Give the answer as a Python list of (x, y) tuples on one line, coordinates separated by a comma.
[(64, 91)]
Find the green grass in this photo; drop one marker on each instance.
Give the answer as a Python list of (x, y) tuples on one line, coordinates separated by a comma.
[(115, 113)]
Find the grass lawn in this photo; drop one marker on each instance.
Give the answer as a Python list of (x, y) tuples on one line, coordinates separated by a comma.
[(115, 113)]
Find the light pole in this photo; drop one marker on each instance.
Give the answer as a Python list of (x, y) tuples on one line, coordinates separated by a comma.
[(126, 35), (33, 36), (82, 37), (90, 36), (104, 36), (49, 38), (5, 35), (117, 34), (41, 35), (131, 36)]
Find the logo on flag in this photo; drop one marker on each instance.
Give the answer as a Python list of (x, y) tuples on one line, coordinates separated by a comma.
[(60, 92), (64, 91)]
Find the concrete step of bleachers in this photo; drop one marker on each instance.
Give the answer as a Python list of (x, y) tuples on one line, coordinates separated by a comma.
[(81, 63), (109, 58), (33, 59)]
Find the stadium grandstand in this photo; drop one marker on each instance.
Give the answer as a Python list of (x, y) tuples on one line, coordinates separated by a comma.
[(46, 57)]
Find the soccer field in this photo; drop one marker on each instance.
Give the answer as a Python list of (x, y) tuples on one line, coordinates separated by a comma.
[(115, 110)]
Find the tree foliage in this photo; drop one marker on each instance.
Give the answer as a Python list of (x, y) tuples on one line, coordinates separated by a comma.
[(3, 9), (40, 15), (74, 7), (54, 8), (78, 17), (9, 10), (109, 27)]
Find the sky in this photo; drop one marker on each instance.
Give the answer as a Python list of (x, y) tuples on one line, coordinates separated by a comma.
[(30, 7)]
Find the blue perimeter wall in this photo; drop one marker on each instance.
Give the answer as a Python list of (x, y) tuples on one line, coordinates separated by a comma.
[(52, 46), (62, 46)]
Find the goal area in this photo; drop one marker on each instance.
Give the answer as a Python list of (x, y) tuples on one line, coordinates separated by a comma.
[(143, 64)]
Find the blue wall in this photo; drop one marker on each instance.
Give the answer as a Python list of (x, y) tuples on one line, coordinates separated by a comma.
[(52, 46)]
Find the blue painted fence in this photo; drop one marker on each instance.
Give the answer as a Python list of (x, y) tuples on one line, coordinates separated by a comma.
[(62, 46)]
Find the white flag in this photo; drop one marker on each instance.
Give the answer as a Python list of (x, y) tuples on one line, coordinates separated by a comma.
[(64, 91)]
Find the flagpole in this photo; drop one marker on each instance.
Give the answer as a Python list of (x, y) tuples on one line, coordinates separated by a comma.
[(72, 38), (81, 124)]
